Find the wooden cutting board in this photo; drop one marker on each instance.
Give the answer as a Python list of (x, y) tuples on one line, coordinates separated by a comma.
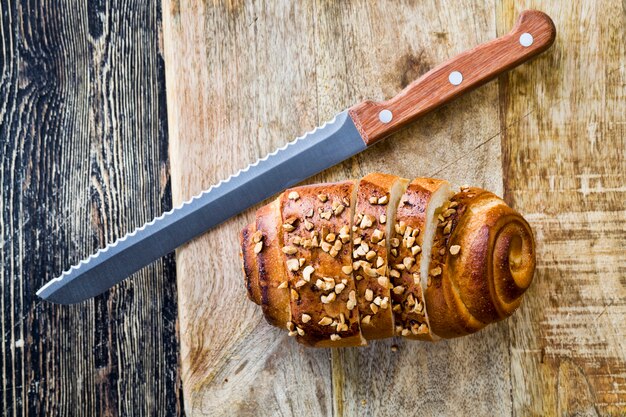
[(243, 79)]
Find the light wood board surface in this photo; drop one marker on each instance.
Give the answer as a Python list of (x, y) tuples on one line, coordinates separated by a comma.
[(243, 79)]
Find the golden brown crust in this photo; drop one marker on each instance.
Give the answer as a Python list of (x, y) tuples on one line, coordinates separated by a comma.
[(248, 258), (319, 243), (370, 255), (407, 240), (483, 260), (273, 281)]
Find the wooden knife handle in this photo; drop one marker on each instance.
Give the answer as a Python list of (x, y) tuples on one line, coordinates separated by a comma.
[(533, 33)]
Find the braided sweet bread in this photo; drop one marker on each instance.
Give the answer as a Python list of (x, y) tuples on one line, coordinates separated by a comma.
[(339, 264)]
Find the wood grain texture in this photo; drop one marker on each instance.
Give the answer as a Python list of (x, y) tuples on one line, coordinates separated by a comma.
[(564, 166), (242, 79), (83, 159), (475, 67)]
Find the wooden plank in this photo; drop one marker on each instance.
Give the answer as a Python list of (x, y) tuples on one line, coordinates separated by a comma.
[(83, 159), (459, 143), (240, 83), (242, 80), (564, 167)]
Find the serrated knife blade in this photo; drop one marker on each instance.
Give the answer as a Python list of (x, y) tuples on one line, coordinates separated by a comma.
[(350, 132), (303, 157)]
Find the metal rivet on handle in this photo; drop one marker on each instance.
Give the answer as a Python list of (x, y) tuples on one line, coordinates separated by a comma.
[(526, 39), (455, 78), (385, 116)]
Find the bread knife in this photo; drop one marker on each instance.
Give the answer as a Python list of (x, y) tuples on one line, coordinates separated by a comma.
[(347, 134)]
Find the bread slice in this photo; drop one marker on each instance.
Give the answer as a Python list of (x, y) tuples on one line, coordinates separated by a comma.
[(247, 242), (411, 241), (273, 280), (317, 252), (377, 198)]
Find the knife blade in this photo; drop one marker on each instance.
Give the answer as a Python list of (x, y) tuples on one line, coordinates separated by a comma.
[(349, 133)]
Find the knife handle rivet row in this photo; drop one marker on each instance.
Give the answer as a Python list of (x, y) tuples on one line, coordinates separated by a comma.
[(385, 116)]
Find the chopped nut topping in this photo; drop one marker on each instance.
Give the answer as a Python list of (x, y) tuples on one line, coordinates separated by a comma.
[(397, 308), (351, 300), (394, 273), (322, 197), (293, 195), (258, 247), (300, 283), (449, 212), (374, 308), (289, 250), (306, 318), (330, 237), (370, 255), (415, 250), (435, 271), (382, 270), (301, 261), (308, 225), (290, 326), (334, 337), (297, 240), (383, 200), (333, 252), (309, 213), (325, 246), (369, 294), (357, 240), (294, 294), (326, 214), (407, 232), (394, 252), (370, 271), (354, 228), (383, 281), (455, 249), (377, 300), (384, 303), (293, 264), (377, 235), (416, 279), (346, 269), (315, 242), (448, 228), (408, 262), (307, 272), (326, 299), (405, 332), (399, 267), (383, 219), (358, 277), (409, 241), (300, 331), (338, 210), (400, 228), (395, 242), (325, 321), (366, 222), (345, 201), (292, 333), (257, 236), (366, 319), (283, 285), (453, 204), (398, 290), (373, 200), (380, 262), (339, 288)]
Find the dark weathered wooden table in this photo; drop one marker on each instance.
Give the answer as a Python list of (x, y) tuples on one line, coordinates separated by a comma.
[(83, 158)]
